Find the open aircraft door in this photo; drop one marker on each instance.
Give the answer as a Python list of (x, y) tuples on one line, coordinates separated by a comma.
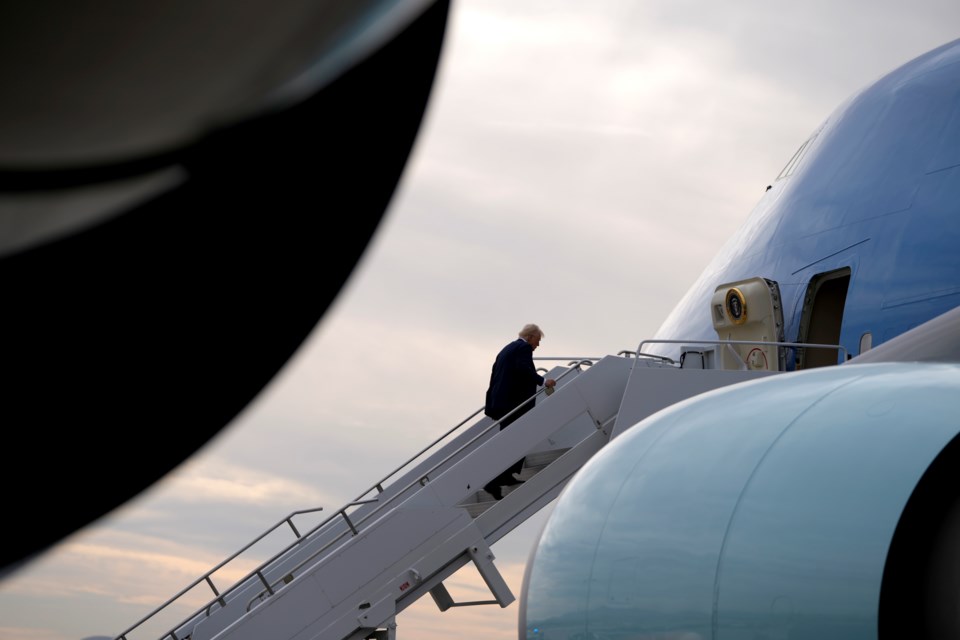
[(749, 310)]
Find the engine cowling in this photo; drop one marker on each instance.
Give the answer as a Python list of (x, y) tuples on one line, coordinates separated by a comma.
[(816, 504)]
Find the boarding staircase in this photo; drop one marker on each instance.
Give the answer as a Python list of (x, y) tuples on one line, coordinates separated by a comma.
[(351, 575)]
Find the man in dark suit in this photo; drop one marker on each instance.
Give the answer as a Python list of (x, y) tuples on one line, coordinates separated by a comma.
[(513, 380)]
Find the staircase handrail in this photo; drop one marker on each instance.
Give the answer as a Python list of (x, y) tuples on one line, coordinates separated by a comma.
[(792, 345), (422, 480), (220, 598)]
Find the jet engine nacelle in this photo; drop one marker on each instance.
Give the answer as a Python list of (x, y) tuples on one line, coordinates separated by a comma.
[(815, 504)]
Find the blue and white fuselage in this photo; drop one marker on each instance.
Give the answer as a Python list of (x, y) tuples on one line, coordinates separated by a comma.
[(822, 502)]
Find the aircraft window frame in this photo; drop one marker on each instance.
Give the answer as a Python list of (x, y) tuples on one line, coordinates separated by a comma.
[(794, 161)]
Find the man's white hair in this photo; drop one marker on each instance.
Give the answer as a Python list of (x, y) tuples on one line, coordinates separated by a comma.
[(531, 330)]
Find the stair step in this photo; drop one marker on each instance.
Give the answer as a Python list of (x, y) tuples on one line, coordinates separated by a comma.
[(477, 509), (481, 500), (541, 459)]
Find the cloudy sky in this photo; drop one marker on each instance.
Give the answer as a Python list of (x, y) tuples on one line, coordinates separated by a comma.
[(578, 165)]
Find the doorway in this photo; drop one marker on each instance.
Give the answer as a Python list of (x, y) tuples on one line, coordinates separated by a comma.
[(822, 317)]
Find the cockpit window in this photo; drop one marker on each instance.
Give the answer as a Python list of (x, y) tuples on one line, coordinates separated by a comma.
[(797, 157)]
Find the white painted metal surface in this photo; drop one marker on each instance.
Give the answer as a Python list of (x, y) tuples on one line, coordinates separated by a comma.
[(350, 577)]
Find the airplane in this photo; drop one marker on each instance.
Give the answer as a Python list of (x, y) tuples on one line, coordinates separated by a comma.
[(838, 280), (822, 501), (777, 461)]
